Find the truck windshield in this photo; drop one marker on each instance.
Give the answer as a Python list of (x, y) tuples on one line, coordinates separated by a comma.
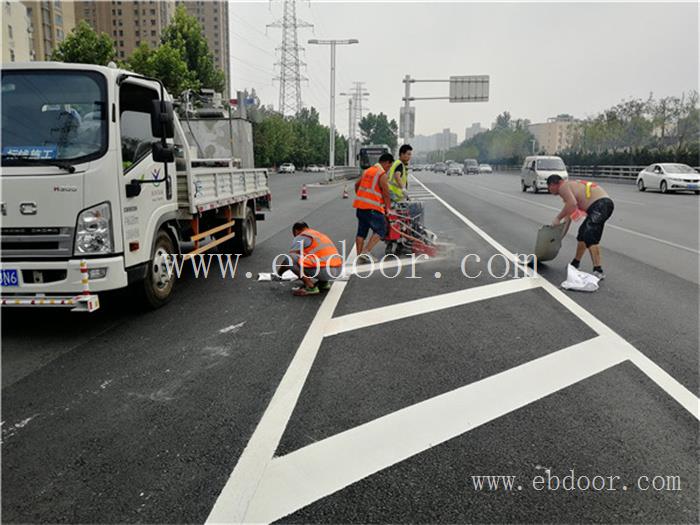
[(49, 116), (550, 164)]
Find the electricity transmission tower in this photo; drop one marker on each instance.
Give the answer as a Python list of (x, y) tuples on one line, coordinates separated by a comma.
[(290, 65)]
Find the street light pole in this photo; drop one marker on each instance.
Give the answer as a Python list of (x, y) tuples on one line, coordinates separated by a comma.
[(333, 44)]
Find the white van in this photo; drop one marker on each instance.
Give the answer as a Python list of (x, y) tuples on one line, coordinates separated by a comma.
[(537, 168)]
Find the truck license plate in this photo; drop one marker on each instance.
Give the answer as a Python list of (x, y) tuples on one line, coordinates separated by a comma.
[(9, 278)]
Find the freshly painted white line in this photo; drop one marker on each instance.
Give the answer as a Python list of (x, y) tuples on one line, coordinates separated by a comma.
[(394, 312), (233, 328), (318, 470), (232, 504), (671, 386), (387, 264), (613, 226)]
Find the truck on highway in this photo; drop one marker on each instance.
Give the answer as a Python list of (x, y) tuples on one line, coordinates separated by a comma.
[(102, 182), (369, 155)]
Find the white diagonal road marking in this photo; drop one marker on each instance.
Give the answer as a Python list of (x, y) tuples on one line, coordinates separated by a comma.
[(394, 312), (318, 470)]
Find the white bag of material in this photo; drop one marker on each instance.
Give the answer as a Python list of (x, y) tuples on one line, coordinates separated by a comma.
[(579, 281)]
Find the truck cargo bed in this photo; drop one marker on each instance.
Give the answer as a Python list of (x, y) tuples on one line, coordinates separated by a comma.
[(205, 184)]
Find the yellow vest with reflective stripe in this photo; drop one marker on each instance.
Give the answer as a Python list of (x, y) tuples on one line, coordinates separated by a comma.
[(397, 192)]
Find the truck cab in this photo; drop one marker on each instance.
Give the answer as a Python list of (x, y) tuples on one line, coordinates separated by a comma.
[(89, 174)]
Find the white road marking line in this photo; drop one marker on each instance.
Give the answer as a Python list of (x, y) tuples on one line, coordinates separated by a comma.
[(613, 226), (233, 328), (318, 470), (665, 381), (393, 312), (232, 504), (263, 488)]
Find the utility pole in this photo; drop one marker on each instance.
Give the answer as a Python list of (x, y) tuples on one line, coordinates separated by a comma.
[(407, 108), (290, 65), (356, 97), (333, 44)]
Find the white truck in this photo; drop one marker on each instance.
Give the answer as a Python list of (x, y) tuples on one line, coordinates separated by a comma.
[(99, 172)]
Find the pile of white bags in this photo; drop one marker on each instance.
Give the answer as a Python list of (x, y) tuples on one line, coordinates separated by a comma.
[(579, 281)]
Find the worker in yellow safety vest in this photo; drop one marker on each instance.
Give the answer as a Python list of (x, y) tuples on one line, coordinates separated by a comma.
[(398, 174), (372, 202)]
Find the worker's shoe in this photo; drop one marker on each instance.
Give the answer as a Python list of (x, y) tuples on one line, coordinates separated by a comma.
[(599, 274), (364, 258), (324, 286), (302, 291)]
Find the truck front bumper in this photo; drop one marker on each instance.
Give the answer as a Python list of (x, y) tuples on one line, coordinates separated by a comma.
[(64, 277)]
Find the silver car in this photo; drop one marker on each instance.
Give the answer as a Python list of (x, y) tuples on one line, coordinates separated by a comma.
[(667, 177)]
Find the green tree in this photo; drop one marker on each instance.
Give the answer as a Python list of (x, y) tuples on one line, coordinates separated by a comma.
[(185, 35), (84, 46), (377, 129), (165, 64)]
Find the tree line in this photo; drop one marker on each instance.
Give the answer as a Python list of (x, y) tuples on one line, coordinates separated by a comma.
[(507, 143), (639, 132), (633, 132)]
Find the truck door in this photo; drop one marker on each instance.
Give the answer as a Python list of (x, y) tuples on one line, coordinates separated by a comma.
[(142, 214)]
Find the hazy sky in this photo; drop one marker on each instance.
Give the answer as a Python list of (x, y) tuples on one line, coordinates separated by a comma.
[(543, 58)]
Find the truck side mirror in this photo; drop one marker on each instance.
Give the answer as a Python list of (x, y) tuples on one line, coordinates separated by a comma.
[(163, 153), (162, 119)]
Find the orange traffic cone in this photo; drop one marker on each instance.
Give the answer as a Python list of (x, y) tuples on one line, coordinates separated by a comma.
[(304, 193), (345, 192)]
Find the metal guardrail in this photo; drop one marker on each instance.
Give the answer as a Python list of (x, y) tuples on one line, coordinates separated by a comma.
[(344, 172), (621, 173)]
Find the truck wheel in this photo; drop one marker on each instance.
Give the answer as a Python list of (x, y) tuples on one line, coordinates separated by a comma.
[(523, 186), (246, 230), (534, 187), (157, 287)]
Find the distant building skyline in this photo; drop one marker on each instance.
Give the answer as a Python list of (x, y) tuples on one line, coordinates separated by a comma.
[(474, 129), (555, 135)]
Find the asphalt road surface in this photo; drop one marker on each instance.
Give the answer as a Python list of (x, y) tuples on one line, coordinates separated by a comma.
[(402, 397)]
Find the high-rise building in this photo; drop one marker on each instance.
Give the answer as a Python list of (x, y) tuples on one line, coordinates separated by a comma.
[(133, 22), (50, 22), (16, 33), (555, 135), (436, 142), (473, 130), (213, 17), (129, 23)]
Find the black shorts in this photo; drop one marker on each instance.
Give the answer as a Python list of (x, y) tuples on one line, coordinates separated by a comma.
[(591, 231), (370, 219)]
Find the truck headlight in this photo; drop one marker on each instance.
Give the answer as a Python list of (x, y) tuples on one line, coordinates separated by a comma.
[(93, 233)]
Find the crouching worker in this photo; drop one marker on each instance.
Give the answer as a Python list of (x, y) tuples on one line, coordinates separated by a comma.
[(315, 260)]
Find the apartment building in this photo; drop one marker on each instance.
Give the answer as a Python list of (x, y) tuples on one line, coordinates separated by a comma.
[(129, 23), (16, 33), (50, 22), (213, 17), (555, 135)]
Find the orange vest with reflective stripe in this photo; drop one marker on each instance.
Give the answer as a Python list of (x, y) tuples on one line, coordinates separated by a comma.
[(369, 195), (321, 251)]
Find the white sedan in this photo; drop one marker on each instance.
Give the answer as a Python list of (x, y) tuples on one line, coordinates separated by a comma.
[(485, 168), (667, 177)]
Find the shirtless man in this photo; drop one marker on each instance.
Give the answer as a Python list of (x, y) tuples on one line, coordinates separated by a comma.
[(581, 196)]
